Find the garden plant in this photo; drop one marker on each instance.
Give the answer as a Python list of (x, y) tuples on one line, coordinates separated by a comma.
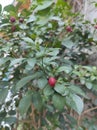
[(46, 81)]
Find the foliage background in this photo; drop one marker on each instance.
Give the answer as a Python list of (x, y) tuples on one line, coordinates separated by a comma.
[(38, 48)]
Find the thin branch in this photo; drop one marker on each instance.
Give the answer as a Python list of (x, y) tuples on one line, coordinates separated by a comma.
[(89, 110)]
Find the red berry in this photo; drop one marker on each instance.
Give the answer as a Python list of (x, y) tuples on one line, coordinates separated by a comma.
[(12, 19), (21, 20), (52, 81), (95, 26), (13, 28), (69, 29)]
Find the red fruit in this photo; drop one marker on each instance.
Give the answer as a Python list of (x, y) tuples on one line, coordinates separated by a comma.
[(69, 29), (21, 20), (52, 81), (12, 19), (95, 26), (13, 28)]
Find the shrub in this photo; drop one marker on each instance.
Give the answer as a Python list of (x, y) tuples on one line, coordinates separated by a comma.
[(40, 48)]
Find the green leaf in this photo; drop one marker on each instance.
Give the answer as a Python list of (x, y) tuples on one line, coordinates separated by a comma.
[(37, 101), (31, 18), (89, 85), (48, 91), (23, 26), (3, 84), (50, 60), (25, 80), (16, 61), (3, 114), (58, 101), (3, 94), (27, 39), (66, 69), (3, 60), (25, 103), (12, 112), (60, 88), (75, 102), (42, 83), (31, 61), (44, 5), (10, 120), (9, 8), (53, 52), (0, 8), (68, 43), (43, 19), (77, 90)]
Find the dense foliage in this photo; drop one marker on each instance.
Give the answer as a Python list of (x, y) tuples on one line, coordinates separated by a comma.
[(44, 66)]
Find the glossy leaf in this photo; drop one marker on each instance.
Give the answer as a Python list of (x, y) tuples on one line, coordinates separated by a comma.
[(77, 90), (25, 80), (37, 101), (25, 103), (44, 5), (59, 102), (68, 44), (66, 69), (16, 61), (48, 91), (31, 62), (42, 83), (60, 88), (3, 94), (75, 102)]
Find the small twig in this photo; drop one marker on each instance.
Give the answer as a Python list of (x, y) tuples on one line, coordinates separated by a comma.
[(85, 112), (39, 121), (89, 110), (79, 120), (33, 117), (26, 121)]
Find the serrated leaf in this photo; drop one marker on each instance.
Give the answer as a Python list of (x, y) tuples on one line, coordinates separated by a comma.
[(25, 103), (3, 94), (58, 101)]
